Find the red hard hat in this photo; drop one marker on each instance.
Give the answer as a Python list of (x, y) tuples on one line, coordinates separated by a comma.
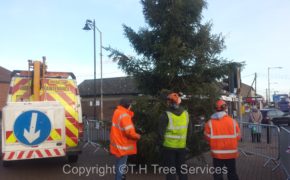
[(174, 97), (220, 105)]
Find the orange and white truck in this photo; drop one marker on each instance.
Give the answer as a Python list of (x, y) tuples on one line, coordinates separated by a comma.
[(43, 116)]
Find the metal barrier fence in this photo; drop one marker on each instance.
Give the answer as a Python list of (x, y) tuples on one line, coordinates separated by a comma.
[(267, 141), (97, 134), (261, 140), (285, 151), (257, 139)]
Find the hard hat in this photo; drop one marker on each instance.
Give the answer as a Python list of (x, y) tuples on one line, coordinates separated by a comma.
[(174, 97), (220, 105), (125, 102)]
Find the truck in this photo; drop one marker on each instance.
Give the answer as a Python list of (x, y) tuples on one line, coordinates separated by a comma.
[(282, 102), (43, 115)]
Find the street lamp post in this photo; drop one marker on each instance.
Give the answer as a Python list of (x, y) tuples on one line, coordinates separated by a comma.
[(101, 66), (269, 91), (90, 25)]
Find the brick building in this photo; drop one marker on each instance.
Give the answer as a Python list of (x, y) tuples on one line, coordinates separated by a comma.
[(4, 86), (116, 88), (113, 90)]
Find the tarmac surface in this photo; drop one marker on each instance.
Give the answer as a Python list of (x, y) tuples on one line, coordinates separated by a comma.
[(249, 167), (100, 165)]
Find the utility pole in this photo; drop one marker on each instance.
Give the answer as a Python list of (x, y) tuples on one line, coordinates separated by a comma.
[(269, 91), (238, 72), (255, 87), (267, 95), (269, 98)]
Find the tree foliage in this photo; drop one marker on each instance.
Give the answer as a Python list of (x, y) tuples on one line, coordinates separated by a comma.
[(175, 51)]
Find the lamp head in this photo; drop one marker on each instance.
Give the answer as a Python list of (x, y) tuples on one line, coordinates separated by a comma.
[(277, 67), (87, 27)]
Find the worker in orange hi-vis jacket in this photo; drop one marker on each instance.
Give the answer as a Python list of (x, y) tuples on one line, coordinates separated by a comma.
[(123, 137), (223, 134)]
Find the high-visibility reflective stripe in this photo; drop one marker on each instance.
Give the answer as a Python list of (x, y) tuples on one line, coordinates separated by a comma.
[(210, 127), (71, 117), (235, 130), (223, 137), (10, 137), (128, 127), (121, 117), (19, 89), (55, 134), (178, 127), (229, 136), (171, 126), (224, 151), (122, 129), (175, 137), (33, 154), (119, 122), (123, 147), (115, 125)]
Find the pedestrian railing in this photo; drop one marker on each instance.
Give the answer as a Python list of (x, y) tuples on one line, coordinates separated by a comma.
[(97, 134), (261, 140), (267, 141), (284, 149)]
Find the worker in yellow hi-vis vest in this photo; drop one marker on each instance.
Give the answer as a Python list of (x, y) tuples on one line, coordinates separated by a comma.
[(174, 131)]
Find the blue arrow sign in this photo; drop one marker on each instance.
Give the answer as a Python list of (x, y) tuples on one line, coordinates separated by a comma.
[(32, 127)]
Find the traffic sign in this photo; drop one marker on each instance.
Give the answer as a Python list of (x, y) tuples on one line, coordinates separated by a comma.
[(32, 127)]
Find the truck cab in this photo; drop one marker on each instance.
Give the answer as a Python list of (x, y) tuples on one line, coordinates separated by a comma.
[(282, 102)]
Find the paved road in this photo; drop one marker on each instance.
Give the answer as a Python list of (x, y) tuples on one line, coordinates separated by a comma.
[(58, 168), (93, 166), (249, 167)]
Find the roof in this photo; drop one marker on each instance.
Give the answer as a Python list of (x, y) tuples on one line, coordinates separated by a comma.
[(246, 90), (111, 86), (4, 75), (128, 86)]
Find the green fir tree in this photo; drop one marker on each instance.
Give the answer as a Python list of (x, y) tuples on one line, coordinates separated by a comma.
[(175, 52)]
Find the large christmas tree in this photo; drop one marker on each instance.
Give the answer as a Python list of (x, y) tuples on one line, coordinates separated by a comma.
[(177, 52)]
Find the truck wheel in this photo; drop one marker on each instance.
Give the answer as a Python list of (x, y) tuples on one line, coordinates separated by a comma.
[(73, 158), (6, 163)]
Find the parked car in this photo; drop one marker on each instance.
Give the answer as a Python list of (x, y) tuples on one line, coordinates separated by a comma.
[(275, 116), (282, 120), (269, 114)]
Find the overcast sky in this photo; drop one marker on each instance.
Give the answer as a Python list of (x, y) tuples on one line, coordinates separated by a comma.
[(256, 31)]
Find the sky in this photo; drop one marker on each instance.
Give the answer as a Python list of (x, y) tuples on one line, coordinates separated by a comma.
[(256, 32)]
